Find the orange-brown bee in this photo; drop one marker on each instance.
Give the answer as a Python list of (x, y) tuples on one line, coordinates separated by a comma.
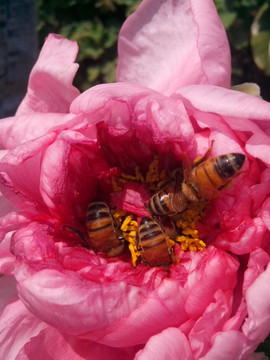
[(202, 181), (156, 250), (102, 231)]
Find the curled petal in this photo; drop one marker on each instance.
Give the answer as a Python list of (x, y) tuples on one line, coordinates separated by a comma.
[(5, 206), (50, 84), (265, 213), (68, 187), (8, 291), (228, 345), (8, 224), (170, 343), (258, 146), (148, 117), (7, 260), (20, 174), (52, 344), (256, 326), (213, 318), (132, 199), (246, 237), (18, 129), (204, 280), (213, 99), (192, 50), (17, 326), (113, 292), (161, 309), (48, 291)]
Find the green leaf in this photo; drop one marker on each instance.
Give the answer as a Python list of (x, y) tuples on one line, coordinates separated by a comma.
[(260, 39), (227, 18)]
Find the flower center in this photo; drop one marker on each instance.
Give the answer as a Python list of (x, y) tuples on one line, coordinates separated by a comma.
[(177, 229)]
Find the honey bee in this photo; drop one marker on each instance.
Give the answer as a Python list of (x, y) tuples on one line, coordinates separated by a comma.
[(202, 181), (102, 231), (155, 247)]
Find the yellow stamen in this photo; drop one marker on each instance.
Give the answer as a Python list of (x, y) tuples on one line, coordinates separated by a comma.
[(128, 177), (115, 186), (153, 176), (130, 230), (119, 215), (138, 174), (186, 222)]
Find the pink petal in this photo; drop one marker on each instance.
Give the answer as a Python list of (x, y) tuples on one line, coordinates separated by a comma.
[(228, 345), (169, 344), (162, 308), (123, 300), (213, 99), (265, 212), (257, 325), (233, 344), (246, 237), (7, 259), (8, 291), (246, 113), (17, 326), (53, 345), (50, 85), (63, 188), (20, 174), (258, 146), (142, 115), (259, 192), (8, 224), (248, 271), (168, 44), (5, 205), (18, 129), (49, 291), (211, 322), (132, 199), (204, 281)]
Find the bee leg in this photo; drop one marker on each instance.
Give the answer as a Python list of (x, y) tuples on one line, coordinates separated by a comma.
[(76, 231), (200, 160)]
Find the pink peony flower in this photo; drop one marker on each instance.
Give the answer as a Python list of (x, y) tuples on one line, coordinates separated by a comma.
[(62, 149)]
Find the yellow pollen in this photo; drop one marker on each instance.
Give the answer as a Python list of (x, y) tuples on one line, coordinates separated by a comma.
[(119, 215), (186, 222), (153, 176), (130, 230)]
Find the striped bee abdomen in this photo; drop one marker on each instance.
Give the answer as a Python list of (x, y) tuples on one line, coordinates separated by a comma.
[(156, 250), (167, 201), (215, 173), (101, 229)]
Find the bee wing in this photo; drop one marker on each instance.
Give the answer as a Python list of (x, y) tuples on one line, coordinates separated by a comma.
[(203, 158), (182, 174)]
